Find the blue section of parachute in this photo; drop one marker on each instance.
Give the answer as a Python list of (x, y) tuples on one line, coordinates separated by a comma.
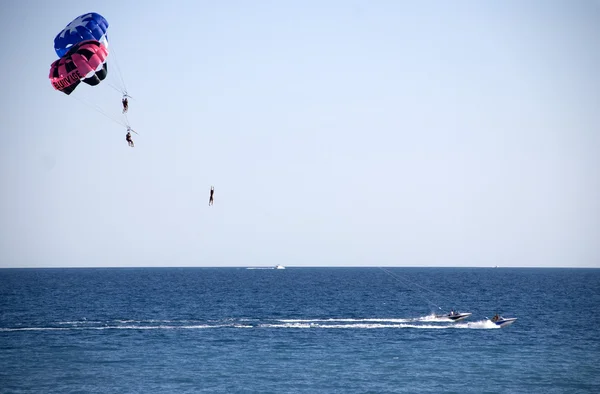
[(91, 26)]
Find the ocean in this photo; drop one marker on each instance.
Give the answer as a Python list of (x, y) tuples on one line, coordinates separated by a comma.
[(298, 330)]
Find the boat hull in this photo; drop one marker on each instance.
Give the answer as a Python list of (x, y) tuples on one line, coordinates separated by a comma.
[(505, 322), (455, 317)]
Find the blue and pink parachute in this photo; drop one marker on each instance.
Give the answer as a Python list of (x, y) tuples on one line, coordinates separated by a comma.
[(82, 48)]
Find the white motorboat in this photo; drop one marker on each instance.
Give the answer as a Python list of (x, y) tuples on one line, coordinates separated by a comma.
[(455, 316), (503, 321)]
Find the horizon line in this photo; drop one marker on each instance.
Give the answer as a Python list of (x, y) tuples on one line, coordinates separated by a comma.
[(295, 266)]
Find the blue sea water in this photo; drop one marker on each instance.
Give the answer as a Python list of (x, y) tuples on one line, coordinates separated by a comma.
[(299, 330)]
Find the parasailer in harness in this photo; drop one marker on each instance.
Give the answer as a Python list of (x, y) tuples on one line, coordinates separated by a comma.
[(128, 136), (212, 192), (125, 104)]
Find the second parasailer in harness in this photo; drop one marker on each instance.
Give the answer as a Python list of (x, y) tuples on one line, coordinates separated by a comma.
[(128, 138)]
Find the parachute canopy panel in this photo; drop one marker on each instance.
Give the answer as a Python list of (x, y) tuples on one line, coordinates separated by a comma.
[(85, 62), (90, 26)]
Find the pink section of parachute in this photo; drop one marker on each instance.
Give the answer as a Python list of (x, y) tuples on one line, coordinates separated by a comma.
[(84, 65)]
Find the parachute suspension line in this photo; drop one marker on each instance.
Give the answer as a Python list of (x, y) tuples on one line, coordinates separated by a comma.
[(128, 124), (437, 294), (115, 88), (419, 286), (405, 282), (114, 56), (127, 120), (99, 110), (425, 288)]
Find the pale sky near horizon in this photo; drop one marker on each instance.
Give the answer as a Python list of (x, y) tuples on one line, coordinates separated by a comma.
[(336, 133)]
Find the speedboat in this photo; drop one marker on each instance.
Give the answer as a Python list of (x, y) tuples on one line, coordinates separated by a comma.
[(455, 316), (279, 267), (502, 321)]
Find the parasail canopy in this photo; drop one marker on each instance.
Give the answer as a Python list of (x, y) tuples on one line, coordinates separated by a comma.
[(86, 61), (90, 26)]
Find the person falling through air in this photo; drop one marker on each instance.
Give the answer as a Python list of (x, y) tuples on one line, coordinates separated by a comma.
[(212, 192)]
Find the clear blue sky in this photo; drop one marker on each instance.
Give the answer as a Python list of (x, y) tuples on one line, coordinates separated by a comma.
[(336, 133)]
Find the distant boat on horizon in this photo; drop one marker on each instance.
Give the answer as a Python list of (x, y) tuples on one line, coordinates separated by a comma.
[(277, 267)]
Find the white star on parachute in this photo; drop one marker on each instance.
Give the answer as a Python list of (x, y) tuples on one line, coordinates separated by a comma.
[(72, 27)]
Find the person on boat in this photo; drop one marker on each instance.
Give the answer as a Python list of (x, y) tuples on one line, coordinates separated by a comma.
[(495, 318), (212, 192)]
